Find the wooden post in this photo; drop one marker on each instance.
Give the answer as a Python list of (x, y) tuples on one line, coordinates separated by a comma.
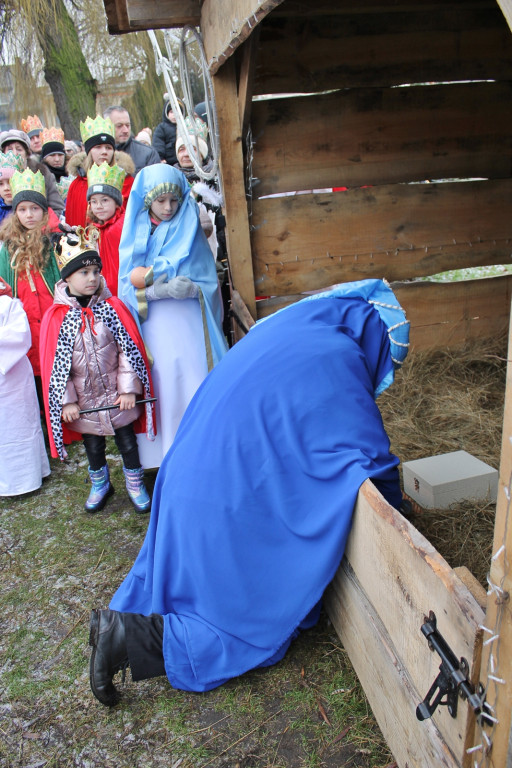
[(232, 175), (496, 670)]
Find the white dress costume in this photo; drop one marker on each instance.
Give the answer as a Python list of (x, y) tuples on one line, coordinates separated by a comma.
[(23, 458)]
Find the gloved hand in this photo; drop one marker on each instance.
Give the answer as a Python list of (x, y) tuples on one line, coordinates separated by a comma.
[(180, 287)]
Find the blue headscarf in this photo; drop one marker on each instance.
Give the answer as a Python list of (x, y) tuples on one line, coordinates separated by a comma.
[(176, 247)]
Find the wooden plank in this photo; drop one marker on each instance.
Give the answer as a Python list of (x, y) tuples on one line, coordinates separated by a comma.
[(153, 14), (305, 242), (442, 314), (313, 53), (497, 657), (391, 579), (382, 136), (129, 15), (226, 24), (232, 176), (246, 81)]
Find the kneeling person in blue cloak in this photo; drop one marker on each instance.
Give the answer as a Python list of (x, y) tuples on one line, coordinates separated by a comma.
[(253, 502)]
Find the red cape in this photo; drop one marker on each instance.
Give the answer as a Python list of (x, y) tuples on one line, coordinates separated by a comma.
[(110, 237), (50, 328)]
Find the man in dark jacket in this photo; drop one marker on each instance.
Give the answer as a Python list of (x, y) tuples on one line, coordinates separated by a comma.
[(141, 154)]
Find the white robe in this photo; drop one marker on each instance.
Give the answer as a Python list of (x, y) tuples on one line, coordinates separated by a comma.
[(23, 458), (174, 336)]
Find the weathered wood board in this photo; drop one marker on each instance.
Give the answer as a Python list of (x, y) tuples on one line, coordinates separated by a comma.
[(306, 242), (390, 579), (442, 314), (351, 45), (382, 136)]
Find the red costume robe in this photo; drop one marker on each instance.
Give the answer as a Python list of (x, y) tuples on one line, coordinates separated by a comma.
[(108, 247)]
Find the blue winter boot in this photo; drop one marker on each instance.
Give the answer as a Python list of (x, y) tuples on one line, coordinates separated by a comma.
[(101, 489), (136, 489)]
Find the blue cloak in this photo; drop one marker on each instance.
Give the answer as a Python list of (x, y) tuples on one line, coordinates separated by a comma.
[(253, 502)]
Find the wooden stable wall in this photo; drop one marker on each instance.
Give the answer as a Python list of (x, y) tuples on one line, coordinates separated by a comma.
[(348, 124)]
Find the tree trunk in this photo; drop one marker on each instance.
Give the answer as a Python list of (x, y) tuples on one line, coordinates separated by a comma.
[(66, 72)]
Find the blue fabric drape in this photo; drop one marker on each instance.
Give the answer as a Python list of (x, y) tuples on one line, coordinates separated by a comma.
[(253, 503), (176, 247)]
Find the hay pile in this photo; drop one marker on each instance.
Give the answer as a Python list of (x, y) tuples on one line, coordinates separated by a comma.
[(444, 401)]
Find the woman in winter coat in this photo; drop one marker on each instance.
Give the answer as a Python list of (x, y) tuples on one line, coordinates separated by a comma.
[(93, 357), (99, 142)]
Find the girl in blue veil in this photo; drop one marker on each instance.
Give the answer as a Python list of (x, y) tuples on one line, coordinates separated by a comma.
[(253, 504), (168, 279)]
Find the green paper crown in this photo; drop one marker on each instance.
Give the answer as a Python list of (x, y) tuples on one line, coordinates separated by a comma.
[(11, 160), (63, 186), (28, 181), (95, 127), (76, 244), (112, 175)]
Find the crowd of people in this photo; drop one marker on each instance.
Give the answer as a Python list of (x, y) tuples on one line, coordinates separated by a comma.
[(109, 288)]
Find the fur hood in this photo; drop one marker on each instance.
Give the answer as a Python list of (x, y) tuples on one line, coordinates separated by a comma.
[(75, 166)]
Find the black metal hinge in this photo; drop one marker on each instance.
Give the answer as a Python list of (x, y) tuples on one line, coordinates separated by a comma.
[(452, 680)]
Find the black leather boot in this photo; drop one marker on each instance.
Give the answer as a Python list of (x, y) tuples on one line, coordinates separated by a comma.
[(109, 654)]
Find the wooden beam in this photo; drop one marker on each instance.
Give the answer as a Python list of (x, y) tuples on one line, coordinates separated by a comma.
[(226, 24), (382, 136), (246, 81), (305, 242), (232, 177), (497, 657), (132, 15)]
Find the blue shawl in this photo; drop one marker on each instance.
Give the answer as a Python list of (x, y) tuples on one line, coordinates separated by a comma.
[(176, 247), (253, 502)]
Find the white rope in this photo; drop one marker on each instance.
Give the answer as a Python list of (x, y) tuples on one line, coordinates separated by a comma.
[(164, 65)]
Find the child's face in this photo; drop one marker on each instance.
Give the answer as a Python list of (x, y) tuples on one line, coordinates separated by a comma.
[(56, 160), (164, 207), (29, 214), (5, 191), (85, 281), (102, 153), (103, 207)]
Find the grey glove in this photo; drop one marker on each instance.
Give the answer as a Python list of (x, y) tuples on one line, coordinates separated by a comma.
[(180, 287)]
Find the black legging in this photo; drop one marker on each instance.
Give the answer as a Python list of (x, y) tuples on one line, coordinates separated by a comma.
[(144, 635), (126, 442)]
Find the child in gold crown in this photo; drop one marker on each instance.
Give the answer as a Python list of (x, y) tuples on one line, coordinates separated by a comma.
[(27, 259), (106, 213), (98, 137), (94, 368)]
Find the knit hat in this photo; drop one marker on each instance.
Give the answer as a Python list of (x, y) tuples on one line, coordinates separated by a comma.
[(14, 135), (53, 142), (28, 186), (106, 179), (98, 131), (74, 251), (144, 137), (31, 125), (201, 143), (10, 162)]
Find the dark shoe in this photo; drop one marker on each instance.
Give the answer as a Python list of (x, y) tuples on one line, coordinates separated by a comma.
[(109, 654)]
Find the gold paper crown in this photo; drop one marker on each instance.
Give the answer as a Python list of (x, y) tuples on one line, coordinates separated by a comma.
[(28, 181), (99, 125), (52, 134), (73, 245), (11, 160), (112, 175), (31, 123)]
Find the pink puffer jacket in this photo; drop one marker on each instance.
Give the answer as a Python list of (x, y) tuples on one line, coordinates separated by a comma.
[(99, 372)]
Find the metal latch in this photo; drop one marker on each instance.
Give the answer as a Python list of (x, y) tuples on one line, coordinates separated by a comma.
[(452, 680)]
